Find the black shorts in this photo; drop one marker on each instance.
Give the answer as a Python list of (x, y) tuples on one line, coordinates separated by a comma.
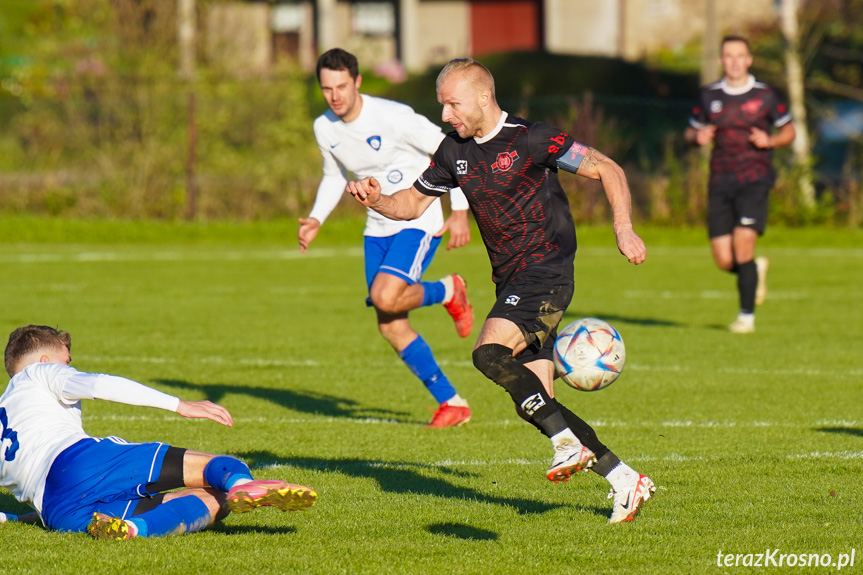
[(535, 302), (737, 206)]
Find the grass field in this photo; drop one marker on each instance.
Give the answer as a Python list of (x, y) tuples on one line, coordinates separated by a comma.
[(755, 441)]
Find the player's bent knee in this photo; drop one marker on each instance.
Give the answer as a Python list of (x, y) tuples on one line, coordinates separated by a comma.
[(491, 360), (387, 305)]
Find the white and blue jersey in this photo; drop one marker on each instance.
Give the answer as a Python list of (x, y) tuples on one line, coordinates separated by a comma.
[(387, 141), (40, 418)]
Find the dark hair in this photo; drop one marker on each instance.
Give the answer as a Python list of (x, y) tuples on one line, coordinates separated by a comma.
[(735, 38), (338, 59), (32, 338)]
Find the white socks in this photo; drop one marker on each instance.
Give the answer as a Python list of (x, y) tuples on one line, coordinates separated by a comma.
[(564, 438), (449, 288), (622, 476), (457, 401)]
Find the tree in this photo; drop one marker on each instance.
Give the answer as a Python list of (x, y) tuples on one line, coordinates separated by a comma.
[(797, 98)]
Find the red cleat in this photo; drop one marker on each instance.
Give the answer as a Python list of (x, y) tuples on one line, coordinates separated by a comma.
[(459, 307), (450, 416)]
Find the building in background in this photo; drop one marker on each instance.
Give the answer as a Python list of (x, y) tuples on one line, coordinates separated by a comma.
[(417, 34)]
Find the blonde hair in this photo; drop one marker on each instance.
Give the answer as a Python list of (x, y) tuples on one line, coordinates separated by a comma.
[(478, 74)]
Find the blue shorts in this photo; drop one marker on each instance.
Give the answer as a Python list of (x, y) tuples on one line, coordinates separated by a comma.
[(406, 255), (107, 475)]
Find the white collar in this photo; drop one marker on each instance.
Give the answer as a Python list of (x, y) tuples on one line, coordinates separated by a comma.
[(750, 83), (495, 131)]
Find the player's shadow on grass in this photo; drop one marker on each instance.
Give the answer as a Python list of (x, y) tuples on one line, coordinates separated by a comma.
[(403, 478), (9, 504), (846, 430), (229, 529), (303, 401), (615, 320), (462, 531)]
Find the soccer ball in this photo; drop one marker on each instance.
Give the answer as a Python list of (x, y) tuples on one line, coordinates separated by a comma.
[(589, 354)]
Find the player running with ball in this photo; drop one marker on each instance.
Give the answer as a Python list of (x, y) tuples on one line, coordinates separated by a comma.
[(507, 168), (105, 486)]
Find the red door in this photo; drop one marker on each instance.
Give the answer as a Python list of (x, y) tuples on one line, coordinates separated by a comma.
[(505, 26)]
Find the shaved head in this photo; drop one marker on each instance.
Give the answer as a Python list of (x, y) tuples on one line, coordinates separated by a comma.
[(465, 88), (468, 68)]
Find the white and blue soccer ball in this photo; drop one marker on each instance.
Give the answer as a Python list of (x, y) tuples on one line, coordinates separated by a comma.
[(589, 354)]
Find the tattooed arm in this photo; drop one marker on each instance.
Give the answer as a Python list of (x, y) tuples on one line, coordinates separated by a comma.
[(597, 166)]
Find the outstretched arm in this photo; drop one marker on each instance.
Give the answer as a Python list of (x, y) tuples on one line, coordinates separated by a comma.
[(205, 410), (406, 204), (81, 385), (597, 166)]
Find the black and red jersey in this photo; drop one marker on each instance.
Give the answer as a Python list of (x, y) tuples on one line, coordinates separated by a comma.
[(734, 112), (510, 180)]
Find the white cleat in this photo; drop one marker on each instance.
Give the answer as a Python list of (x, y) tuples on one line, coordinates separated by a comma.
[(743, 324), (762, 264), (569, 458), (628, 502)]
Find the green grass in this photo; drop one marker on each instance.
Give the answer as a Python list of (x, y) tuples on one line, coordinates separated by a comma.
[(755, 441)]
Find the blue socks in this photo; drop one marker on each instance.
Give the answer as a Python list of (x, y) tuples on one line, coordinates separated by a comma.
[(222, 472), (181, 515), (418, 357), (188, 513), (434, 293)]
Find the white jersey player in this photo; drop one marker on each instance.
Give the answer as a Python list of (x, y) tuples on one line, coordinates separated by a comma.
[(106, 486), (378, 138)]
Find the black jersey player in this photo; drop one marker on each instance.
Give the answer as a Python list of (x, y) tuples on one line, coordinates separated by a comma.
[(507, 168), (738, 114)]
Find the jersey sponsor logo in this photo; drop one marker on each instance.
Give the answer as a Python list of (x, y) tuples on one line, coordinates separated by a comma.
[(394, 177), (512, 300), (334, 145), (460, 167), (532, 403), (744, 221), (716, 106), (504, 162), (752, 106), (374, 142), (559, 142)]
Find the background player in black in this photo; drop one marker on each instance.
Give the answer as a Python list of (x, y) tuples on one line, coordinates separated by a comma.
[(737, 114), (507, 168)]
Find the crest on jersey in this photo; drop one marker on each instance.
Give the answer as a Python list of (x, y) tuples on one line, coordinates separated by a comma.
[(716, 106), (504, 161), (394, 177), (752, 106), (461, 167), (374, 142)]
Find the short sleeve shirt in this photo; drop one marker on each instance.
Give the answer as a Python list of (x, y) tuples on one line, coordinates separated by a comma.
[(510, 180), (387, 141), (734, 112)]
